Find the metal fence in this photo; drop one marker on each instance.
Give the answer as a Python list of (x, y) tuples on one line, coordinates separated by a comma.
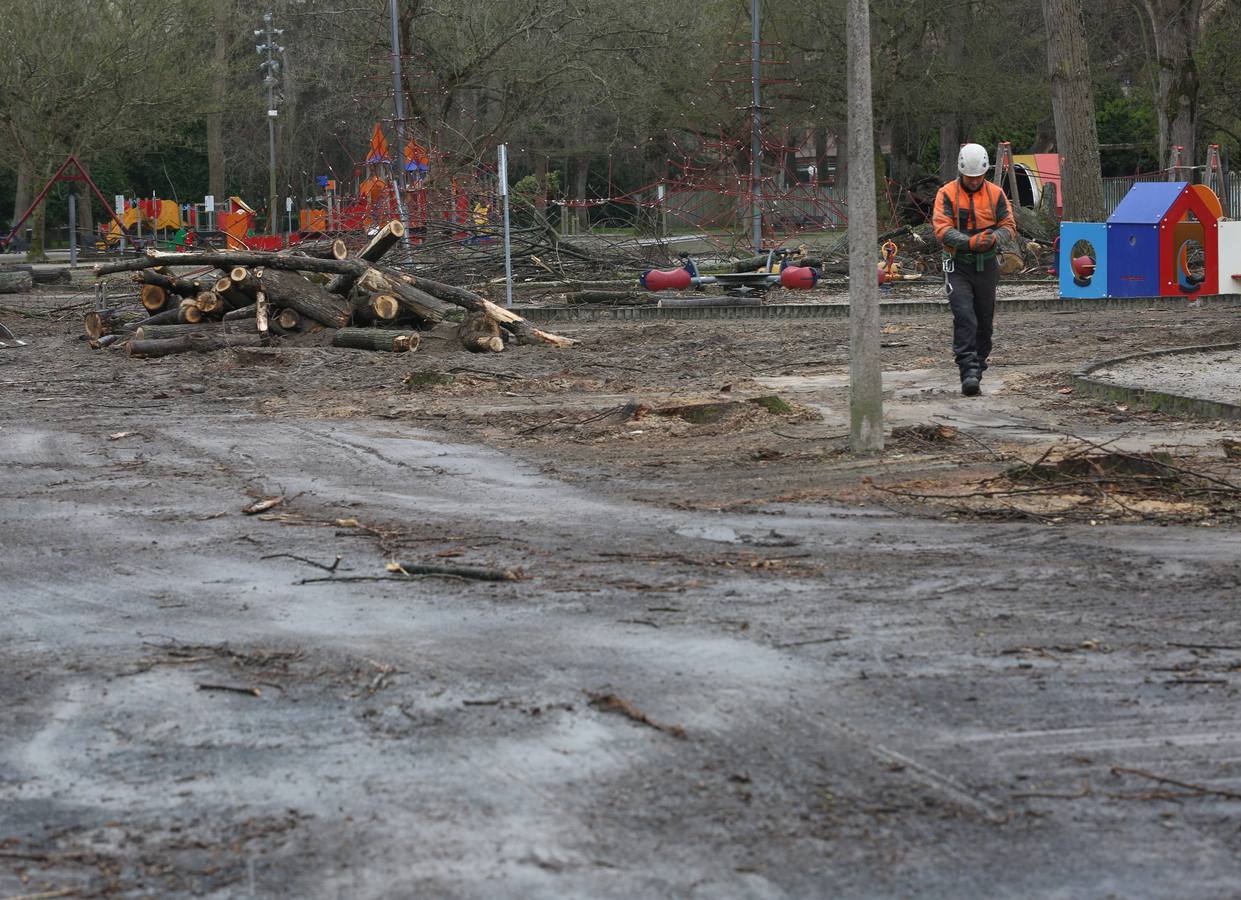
[(1114, 190)]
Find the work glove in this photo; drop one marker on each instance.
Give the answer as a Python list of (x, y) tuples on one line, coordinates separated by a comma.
[(956, 239), (982, 242)]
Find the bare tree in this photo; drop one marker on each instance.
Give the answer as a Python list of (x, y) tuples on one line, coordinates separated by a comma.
[(1176, 25), (1072, 103)]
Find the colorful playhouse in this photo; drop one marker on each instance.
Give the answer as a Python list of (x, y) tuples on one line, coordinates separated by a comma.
[(1150, 246)]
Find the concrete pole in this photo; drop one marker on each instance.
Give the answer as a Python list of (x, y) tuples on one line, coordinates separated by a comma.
[(756, 129), (398, 95), (865, 374), (502, 171), (73, 225)]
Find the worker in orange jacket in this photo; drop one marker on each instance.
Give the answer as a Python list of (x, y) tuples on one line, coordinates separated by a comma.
[(971, 215)]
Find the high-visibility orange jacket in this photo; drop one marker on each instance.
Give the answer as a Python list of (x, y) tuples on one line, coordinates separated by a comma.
[(960, 213)]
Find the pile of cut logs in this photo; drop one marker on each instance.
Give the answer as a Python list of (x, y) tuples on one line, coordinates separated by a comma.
[(253, 299)]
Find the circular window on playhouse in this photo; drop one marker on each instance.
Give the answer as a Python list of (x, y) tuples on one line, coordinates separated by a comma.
[(1082, 262), (1190, 266)]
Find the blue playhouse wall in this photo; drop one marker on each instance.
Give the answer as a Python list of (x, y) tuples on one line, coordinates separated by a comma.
[(1133, 260), (1096, 234)]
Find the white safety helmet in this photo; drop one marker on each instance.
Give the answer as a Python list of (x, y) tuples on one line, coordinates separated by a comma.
[(973, 160)]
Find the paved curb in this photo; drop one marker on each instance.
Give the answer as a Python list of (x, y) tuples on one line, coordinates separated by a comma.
[(841, 310), (1160, 401)]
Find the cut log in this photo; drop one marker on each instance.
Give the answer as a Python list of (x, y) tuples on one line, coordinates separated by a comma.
[(244, 281), (41, 276), (480, 334), (211, 303), (153, 297), (380, 244), (207, 342), (292, 291), (234, 297), (153, 349), (412, 299), (167, 317), (245, 312), (52, 276), (288, 320), (158, 332), (182, 287), (198, 341), (16, 282), (189, 312), (385, 307), (249, 258), (98, 323), (457, 296), (368, 307), (385, 339)]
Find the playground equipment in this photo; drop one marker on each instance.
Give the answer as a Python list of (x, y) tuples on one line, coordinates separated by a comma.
[(1165, 239), (778, 272)]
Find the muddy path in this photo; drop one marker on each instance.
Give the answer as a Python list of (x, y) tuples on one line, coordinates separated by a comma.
[(727, 669)]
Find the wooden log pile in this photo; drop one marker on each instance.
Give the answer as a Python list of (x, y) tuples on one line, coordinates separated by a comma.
[(252, 299)]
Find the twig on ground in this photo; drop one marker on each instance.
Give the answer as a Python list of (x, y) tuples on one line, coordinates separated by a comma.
[(252, 691), (1189, 786), (309, 562)]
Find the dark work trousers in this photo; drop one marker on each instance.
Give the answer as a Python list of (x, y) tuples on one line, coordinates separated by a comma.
[(971, 294)]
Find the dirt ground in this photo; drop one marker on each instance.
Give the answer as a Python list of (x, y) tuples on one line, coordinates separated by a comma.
[(724, 658)]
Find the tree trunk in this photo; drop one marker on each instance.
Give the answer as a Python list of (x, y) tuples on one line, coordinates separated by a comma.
[(86, 217), (376, 339), (224, 27), (24, 193), (581, 173), (38, 238), (540, 191), (950, 122), (1072, 103), (1175, 24), (288, 289)]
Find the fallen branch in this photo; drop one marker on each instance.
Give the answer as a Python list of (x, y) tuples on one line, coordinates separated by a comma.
[(614, 704)]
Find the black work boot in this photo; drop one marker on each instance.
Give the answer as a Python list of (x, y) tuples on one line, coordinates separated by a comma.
[(969, 383)]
